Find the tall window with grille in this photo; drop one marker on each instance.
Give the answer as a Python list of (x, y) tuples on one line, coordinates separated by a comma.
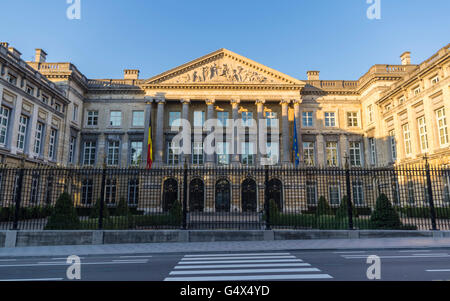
[(115, 118), (355, 153), (34, 191), (22, 132), (247, 119), (410, 188), (52, 144), (370, 114), (446, 190), (223, 153), (136, 152), (87, 189), (393, 145), (441, 120), (407, 139), (352, 119), (334, 193), (138, 118), (38, 138), (72, 149), (330, 119), (309, 153), (89, 153), (307, 119), (113, 153), (199, 119), (133, 192), (423, 134), (173, 153), (92, 118), (373, 151), (358, 193), (4, 123), (311, 193), (273, 152), (332, 153), (248, 153), (174, 119), (110, 191), (271, 119), (197, 153), (222, 119)]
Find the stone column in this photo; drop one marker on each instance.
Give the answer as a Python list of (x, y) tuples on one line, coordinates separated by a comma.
[(235, 157), (320, 151), (1, 95), (298, 120), (159, 137), (148, 114), (260, 112), (399, 139), (32, 131), (185, 116), (343, 149), (15, 124), (285, 131), (210, 115)]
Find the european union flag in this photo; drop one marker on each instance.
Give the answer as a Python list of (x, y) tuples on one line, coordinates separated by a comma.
[(295, 145)]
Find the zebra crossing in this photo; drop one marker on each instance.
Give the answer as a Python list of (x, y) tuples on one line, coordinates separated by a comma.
[(244, 267)]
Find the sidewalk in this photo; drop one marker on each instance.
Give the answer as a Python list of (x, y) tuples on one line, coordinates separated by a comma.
[(164, 248)]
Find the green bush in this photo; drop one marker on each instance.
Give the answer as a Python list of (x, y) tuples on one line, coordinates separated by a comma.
[(342, 211), (95, 211), (176, 212), (122, 208), (323, 208), (384, 216), (64, 216)]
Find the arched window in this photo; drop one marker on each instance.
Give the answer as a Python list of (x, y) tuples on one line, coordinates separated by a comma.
[(196, 195), (223, 196), (275, 192), (170, 194), (249, 196)]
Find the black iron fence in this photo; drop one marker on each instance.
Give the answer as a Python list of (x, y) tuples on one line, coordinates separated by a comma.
[(225, 198)]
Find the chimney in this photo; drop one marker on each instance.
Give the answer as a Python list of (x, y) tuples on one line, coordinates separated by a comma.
[(131, 74), (40, 56), (406, 58), (16, 53), (313, 75)]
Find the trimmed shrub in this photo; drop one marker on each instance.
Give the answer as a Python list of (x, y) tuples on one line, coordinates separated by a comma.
[(64, 216), (122, 208), (176, 212), (323, 208), (342, 211), (95, 211), (384, 216)]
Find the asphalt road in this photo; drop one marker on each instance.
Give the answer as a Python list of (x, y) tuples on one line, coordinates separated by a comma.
[(396, 265)]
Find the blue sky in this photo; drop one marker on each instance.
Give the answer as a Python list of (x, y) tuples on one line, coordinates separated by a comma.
[(292, 36)]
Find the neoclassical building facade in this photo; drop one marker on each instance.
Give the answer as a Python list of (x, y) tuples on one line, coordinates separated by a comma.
[(51, 113)]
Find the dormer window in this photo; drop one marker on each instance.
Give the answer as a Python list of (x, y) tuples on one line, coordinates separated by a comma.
[(45, 99), (435, 80), (29, 90)]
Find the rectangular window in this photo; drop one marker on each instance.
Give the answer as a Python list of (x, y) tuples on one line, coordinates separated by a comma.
[(311, 193), (138, 118), (44, 99), (417, 91), (199, 118), (358, 193), (441, 120), (197, 153), (248, 156), (174, 119), (110, 191), (222, 119), (22, 132), (393, 144), (401, 100), (370, 113), (355, 154), (72, 146), (90, 148), (334, 194), (435, 80), (115, 118), (113, 153), (411, 198), (11, 79), (332, 155), (52, 144), (352, 119), (87, 191), (247, 119), (373, 151), (92, 118), (272, 121), (407, 139), (446, 191), (133, 192), (75, 113), (57, 107), (38, 138), (34, 193), (136, 152), (309, 153), (222, 150), (307, 119), (388, 107), (29, 90), (173, 154), (4, 124), (423, 134), (330, 119), (273, 152)]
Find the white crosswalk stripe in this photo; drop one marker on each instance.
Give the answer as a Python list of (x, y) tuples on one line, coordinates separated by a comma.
[(244, 267)]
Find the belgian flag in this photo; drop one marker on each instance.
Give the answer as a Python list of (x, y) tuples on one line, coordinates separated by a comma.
[(150, 145)]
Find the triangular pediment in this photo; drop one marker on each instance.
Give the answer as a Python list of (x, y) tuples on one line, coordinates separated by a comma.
[(223, 67)]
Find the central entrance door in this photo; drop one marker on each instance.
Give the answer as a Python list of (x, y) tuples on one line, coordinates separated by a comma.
[(248, 196), (223, 195), (275, 192), (196, 195)]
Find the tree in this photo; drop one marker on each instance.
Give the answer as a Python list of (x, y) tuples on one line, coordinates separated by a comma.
[(384, 216), (323, 208), (64, 216), (342, 211)]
